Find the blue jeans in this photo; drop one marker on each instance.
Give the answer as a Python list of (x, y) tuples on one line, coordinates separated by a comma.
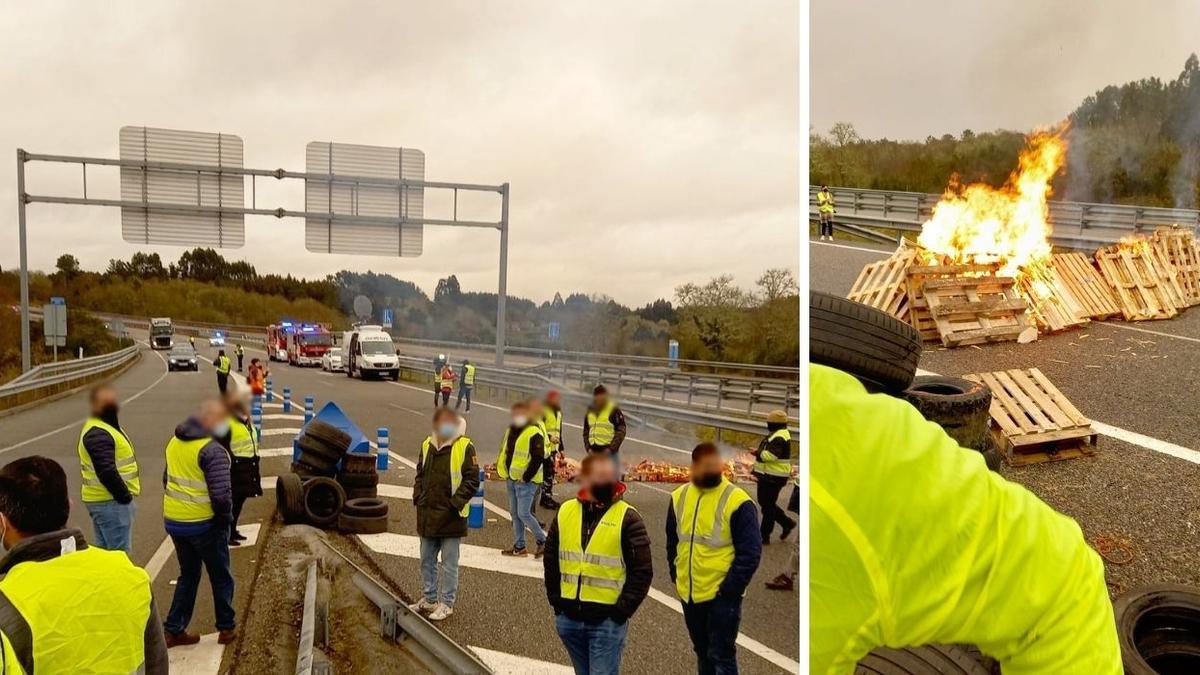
[(209, 550), (429, 568), (594, 648), (463, 391), (520, 502), (713, 627), (113, 523)]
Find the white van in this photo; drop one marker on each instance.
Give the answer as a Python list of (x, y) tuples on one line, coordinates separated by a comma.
[(370, 351)]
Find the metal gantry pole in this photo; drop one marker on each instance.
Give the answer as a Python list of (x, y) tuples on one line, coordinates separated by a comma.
[(26, 353), (502, 293)]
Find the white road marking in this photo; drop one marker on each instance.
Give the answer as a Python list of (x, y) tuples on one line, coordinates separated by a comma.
[(853, 248), (202, 657), (160, 558), (511, 664), (1151, 332), (281, 432), (281, 416)]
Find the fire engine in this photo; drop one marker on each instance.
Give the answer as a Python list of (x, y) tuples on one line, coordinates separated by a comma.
[(300, 344), (277, 340)]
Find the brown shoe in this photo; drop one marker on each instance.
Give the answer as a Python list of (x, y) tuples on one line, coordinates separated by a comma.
[(181, 639), (782, 582), (515, 552), (226, 636)]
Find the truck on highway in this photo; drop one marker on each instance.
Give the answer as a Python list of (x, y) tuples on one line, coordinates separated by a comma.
[(307, 343), (369, 351), (161, 333), (277, 340)]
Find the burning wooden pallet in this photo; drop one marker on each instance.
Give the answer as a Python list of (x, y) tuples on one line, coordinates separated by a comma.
[(1031, 419), (919, 315), (1079, 276), (971, 310), (882, 284), (1053, 304), (1176, 246), (1141, 286)]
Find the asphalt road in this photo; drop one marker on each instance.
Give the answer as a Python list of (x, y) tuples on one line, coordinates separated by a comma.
[(492, 593), (1135, 380)]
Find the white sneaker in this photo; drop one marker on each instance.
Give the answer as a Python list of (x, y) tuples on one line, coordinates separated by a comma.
[(442, 611), (425, 606)]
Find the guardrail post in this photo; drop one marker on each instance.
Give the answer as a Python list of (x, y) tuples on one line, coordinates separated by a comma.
[(475, 517), (287, 399), (270, 391), (308, 409), (381, 442), (720, 391), (691, 388)]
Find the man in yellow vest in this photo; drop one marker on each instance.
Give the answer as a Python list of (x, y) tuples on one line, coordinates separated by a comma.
[(66, 607), (110, 472), (197, 510), (222, 365), (772, 469), (915, 541), (552, 421), (242, 443), (826, 207), (604, 427), (520, 463), (466, 384), (241, 353), (438, 362), (713, 547), (446, 481), (598, 569)]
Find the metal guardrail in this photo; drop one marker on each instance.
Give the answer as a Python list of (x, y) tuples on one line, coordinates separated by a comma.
[(67, 372), (1076, 224), (313, 628)]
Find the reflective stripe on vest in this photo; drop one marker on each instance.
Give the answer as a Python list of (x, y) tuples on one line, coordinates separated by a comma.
[(469, 375), (520, 456), (595, 573), (186, 499), (223, 365), (93, 489), (241, 438), (776, 466), (81, 612), (458, 458), (705, 551), (600, 426)]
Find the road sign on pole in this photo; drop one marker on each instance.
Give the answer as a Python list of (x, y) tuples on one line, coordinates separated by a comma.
[(554, 331), (54, 324), (387, 317)]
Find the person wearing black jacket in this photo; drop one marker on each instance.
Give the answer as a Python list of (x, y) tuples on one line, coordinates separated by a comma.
[(110, 503), (772, 470), (595, 578), (520, 463), (241, 440)]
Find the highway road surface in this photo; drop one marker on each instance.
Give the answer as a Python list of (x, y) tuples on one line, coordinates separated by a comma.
[(1137, 381), (501, 608)]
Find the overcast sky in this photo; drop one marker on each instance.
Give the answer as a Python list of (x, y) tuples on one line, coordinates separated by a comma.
[(907, 70), (647, 144)]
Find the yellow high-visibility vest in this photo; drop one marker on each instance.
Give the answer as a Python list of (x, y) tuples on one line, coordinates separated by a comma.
[(520, 456), (93, 489), (458, 458), (185, 499), (705, 551), (600, 427), (825, 201), (468, 375), (86, 611), (242, 441), (240, 351), (552, 420), (768, 463), (223, 365), (596, 573)]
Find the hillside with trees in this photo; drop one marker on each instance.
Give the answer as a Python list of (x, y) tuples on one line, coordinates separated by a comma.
[(1135, 143)]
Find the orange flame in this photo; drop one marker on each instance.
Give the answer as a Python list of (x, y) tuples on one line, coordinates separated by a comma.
[(1007, 225)]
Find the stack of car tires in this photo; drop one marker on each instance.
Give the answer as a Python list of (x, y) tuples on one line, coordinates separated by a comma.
[(358, 476), (330, 486)]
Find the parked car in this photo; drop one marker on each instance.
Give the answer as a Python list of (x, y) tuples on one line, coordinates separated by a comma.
[(217, 339), (332, 361), (182, 357)]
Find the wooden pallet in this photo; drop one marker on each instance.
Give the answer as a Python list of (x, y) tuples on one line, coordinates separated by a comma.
[(1077, 274), (1177, 247), (918, 308), (1031, 419), (1052, 303), (882, 284), (1136, 280), (979, 309)]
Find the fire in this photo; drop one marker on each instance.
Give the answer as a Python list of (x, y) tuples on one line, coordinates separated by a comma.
[(1006, 225)]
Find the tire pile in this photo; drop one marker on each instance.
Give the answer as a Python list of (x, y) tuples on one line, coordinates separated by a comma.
[(331, 487)]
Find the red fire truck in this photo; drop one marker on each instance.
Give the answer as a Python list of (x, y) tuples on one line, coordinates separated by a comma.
[(307, 344), (277, 340)]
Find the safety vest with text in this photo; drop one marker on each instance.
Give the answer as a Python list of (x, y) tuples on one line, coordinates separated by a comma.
[(770, 465), (468, 375), (705, 551), (458, 459), (600, 427), (85, 612), (825, 201), (223, 365), (515, 468), (93, 489), (595, 573), (242, 442), (186, 499)]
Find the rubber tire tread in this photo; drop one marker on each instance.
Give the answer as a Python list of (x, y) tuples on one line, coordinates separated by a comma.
[(872, 345), (333, 438), (328, 457), (1131, 605), (365, 507), (319, 484), (358, 463), (963, 415), (356, 525), (926, 660), (289, 498), (361, 493), (358, 480)]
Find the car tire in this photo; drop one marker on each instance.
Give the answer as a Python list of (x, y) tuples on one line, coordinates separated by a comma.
[(874, 346), (289, 498), (1158, 626), (305, 470), (926, 660), (362, 493), (359, 463), (358, 480), (323, 501), (318, 453), (358, 525), (959, 406), (365, 507)]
